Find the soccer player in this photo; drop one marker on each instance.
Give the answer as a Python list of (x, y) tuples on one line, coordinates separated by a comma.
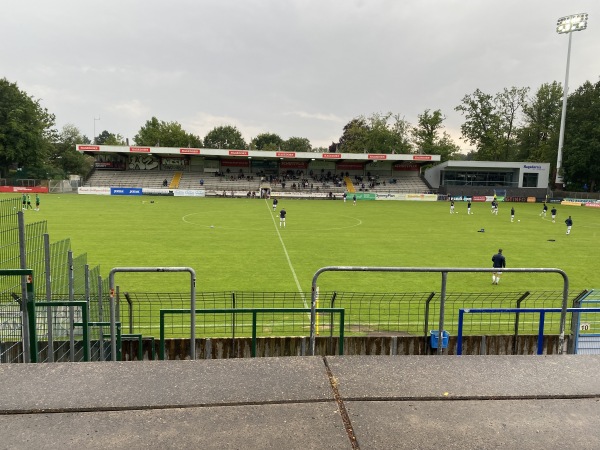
[(512, 214), (469, 207), (275, 201), (498, 262), (544, 210), (452, 207), (344, 195), (37, 202), (553, 213), (282, 214), (569, 223), (24, 201), (354, 199), (29, 202)]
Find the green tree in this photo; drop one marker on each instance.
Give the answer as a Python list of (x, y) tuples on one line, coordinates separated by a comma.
[(267, 141), (296, 144), (380, 133), (63, 159), (538, 137), (226, 136), (491, 122), (157, 133), (106, 138), (26, 129), (581, 149), (427, 138)]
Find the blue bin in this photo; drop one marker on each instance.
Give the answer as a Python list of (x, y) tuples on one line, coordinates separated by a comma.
[(435, 338)]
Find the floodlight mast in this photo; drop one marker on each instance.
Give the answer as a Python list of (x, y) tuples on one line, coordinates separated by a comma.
[(566, 25)]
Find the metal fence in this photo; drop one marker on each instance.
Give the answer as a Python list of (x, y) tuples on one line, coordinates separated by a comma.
[(59, 276), (399, 314)]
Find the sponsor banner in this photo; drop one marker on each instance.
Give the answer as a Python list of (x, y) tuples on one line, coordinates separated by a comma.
[(331, 155), (264, 165), (391, 196), (571, 203), (422, 197), (235, 163), (88, 148), (155, 191), (24, 190), (480, 198), (189, 192), (592, 205), (125, 191), (349, 166), (531, 199), (238, 153), (189, 151), (460, 198), (111, 165), (139, 149), (376, 156), (293, 165), (285, 154), (362, 195), (421, 158), (555, 200), (532, 167), (93, 190), (408, 167)]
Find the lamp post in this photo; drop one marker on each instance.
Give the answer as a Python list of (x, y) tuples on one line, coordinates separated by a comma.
[(98, 118), (566, 25)]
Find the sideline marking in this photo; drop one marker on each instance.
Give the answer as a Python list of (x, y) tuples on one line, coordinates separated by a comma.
[(286, 254)]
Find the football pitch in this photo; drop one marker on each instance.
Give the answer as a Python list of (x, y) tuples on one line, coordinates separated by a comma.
[(238, 244)]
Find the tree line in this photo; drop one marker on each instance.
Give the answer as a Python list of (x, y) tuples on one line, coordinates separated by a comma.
[(515, 124)]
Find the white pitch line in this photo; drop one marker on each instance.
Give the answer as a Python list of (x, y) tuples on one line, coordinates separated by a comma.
[(287, 256)]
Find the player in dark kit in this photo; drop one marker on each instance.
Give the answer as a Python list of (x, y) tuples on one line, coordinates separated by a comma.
[(282, 214), (498, 262), (553, 213), (275, 201), (569, 223), (512, 214)]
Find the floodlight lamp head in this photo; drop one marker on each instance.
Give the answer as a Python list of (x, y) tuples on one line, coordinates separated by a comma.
[(576, 22)]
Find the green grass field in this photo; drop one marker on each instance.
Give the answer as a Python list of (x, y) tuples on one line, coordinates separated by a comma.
[(237, 244)]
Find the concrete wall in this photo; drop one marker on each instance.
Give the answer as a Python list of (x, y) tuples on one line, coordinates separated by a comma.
[(366, 345)]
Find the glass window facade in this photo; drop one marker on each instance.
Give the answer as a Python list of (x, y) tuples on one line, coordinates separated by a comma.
[(479, 178)]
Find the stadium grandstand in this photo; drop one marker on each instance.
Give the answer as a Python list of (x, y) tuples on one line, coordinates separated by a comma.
[(220, 172)]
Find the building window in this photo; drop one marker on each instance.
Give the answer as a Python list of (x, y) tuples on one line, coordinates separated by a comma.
[(530, 180)]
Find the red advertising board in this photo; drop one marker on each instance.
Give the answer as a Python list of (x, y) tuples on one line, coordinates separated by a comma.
[(331, 155), (408, 167), (238, 152), (139, 149), (421, 157), (285, 154), (377, 156), (24, 190), (235, 163), (189, 151), (349, 166), (293, 165), (88, 148)]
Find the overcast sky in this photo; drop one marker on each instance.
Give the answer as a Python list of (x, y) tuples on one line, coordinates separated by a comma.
[(300, 68)]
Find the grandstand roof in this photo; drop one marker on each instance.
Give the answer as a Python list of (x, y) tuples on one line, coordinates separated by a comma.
[(220, 153)]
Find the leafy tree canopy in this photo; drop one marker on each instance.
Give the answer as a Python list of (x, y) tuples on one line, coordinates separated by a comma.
[(26, 128), (380, 133), (226, 136), (267, 141), (157, 133), (296, 144)]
